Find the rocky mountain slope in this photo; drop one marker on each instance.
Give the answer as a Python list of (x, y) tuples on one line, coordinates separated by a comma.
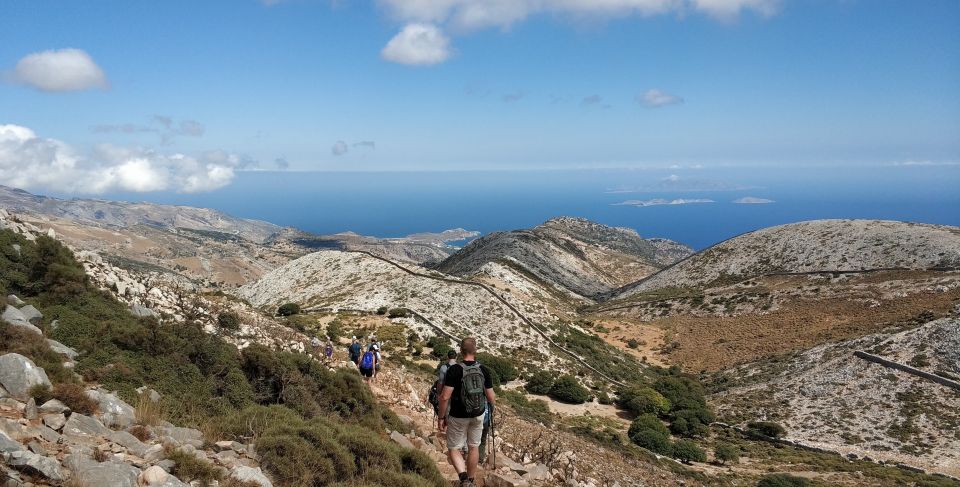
[(126, 214), (827, 397), (572, 255), (819, 245)]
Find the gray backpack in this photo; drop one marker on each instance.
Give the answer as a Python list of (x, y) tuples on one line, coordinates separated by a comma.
[(472, 393)]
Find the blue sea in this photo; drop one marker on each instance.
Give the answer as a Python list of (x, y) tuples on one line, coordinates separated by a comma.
[(392, 204)]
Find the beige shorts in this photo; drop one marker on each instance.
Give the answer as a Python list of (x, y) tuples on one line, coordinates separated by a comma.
[(464, 431)]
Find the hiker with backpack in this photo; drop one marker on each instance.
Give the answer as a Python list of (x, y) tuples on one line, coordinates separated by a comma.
[(355, 350), (467, 389), (368, 364), (376, 350), (433, 397), (328, 351)]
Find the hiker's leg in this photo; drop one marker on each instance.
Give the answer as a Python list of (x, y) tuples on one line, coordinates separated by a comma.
[(473, 458), (456, 439), (483, 444)]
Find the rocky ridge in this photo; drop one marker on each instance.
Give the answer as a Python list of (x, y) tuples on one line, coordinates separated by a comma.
[(573, 255), (812, 246)]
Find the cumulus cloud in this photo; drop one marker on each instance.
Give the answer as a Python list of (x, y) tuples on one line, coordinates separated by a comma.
[(166, 127), (30, 161), (661, 201), (418, 44), (751, 200), (59, 70), (339, 148), (654, 98)]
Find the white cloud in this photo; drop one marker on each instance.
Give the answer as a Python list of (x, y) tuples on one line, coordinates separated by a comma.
[(418, 44), (661, 201), (654, 98), (59, 70), (479, 14), (751, 200), (339, 148), (28, 161)]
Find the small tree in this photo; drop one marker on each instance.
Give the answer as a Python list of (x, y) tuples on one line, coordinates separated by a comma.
[(726, 452), (288, 309), (687, 451), (692, 422), (633, 343), (568, 389), (228, 320), (766, 428), (501, 366), (540, 382), (643, 400)]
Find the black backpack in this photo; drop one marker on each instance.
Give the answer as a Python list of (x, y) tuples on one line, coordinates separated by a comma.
[(434, 399), (472, 393)]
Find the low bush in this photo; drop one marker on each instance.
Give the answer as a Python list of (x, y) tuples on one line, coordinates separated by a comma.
[(766, 428), (540, 382), (439, 347), (504, 369), (649, 432), (189, 468), (643, 400), (692, 422), (398, 313), (536, 410), (229, 321), (783, 480), (75, 397), (567, 389), (288, 309), (687, 451)]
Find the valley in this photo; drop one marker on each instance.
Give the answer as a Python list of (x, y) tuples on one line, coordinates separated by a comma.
[(764, 326)]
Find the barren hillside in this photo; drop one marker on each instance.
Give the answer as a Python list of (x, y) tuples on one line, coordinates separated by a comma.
[(572, 255), (819, 245)]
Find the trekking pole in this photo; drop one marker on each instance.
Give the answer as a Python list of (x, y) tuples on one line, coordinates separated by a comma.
[(493, 436)]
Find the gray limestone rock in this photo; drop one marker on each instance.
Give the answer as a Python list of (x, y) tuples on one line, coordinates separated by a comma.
[(13, 300), (141, 311), (18, 374), (54, 421), (130, 442), (248, 474), (32, 463), (183, 436), (32, 314), (113, 410), (84, 428), (54, 406), (8, 445), (62, 349), (14, 317), (114, 474), (30, 410)]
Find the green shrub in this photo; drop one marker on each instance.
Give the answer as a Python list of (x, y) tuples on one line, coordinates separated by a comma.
[(691, 422), (783, 480), (505, 370), (643, 400), (766, 428), (288, 309), (540, 382), (228, 320), (398, 313), (536, 410), (726, 452), (604, 398), (567, 389), (334, 330), (633, 343), (682, 392), (440, 347), (382, 310), (189, 468), (687, 451), (649, 432)]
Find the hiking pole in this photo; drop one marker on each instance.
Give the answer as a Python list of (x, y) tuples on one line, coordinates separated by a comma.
[(493, 436)]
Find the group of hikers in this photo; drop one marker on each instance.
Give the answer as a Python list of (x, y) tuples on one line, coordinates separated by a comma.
[(462, 398), (463, 401)]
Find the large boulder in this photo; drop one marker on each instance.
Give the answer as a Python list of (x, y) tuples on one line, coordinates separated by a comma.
[(498, 479), (33, 315), (113, 474), (18, 374), (34, 464), (248, 474), (9, 445), (13, 300), (141, 311), (84, 428), (182, 436), (62, 349), (14, 317), (130, 442), (113, 411)]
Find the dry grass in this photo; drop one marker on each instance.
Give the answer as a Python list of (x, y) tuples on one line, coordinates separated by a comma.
[(148, 412), (715, 343), (141, 432), (75, 397), (100, 455)]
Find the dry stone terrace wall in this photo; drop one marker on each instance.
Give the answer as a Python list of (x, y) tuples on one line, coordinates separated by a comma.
[(908, 369)]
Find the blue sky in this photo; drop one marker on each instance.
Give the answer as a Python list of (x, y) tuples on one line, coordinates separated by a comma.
[(179, 95)]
